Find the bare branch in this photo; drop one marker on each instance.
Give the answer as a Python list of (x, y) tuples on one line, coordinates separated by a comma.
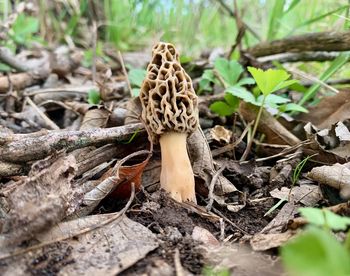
[(23, 147), (323, 41)]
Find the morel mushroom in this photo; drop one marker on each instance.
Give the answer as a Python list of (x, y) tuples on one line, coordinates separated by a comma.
[(170, 111)]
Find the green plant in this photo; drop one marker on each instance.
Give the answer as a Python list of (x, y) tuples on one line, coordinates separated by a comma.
[(325, 218), (94, 97), (210, 271), (227, 107), (228, 75), (23, 30), (295, 177), (268, 82), (136, 77), (316, 251), (89, 54)]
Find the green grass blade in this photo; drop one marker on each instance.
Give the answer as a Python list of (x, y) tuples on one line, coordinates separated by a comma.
[(275, 18), (292, 5), (318, 18), (274, 207), (331, 70)]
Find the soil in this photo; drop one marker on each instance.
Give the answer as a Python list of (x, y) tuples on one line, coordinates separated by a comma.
[(173, 225)]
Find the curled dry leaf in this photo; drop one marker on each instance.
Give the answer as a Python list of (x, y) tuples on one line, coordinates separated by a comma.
[(288, 212), (127, 175), (95, 117), (336, 176), (221, 134), (319, 140), (117, 181)]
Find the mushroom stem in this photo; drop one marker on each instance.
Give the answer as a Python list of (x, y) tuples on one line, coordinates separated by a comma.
[(176, 175)]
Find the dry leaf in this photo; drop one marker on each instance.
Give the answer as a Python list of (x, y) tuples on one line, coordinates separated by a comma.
[(329, 111), (202, 163), (242, 260), (96, 116), (221, 134), (288, 211), (262, 242), (41, 200), (204, 236), (107, 250), (306, 194), (116, 181), (128, 175), (336, 176), (319, 140)]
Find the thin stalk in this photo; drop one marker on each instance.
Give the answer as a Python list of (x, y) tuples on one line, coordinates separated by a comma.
[(247, 150)]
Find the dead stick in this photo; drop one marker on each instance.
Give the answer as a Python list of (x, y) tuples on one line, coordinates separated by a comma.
[(322, 41), (8, 58), (26, 148)]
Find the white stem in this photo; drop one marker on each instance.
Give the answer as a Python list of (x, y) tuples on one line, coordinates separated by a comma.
[(176, 176)]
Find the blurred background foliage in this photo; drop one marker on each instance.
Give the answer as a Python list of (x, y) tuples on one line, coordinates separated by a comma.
[(195, 25)]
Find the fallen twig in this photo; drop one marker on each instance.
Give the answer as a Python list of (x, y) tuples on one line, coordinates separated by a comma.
[(322, 41), (9, 59), (26, 147)]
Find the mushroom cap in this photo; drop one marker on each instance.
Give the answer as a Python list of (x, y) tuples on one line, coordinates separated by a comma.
[(168, 100)]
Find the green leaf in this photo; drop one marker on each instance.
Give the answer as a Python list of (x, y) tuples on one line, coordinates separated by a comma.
[(136, 77), (230, 71), (315, 253), (185, 59), (210, 271), (4, 68), (243, 94), (222, 108), (93, 96), (273, 208), (298, 87), (209, 75), (271, 80), (325, 218), (273, 100), (294, 107), (231, 100), (284, 84), (23, 28), (245, 81)]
